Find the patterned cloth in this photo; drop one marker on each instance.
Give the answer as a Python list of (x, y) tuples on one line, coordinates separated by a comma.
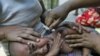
[(90, 17), (74, 53)]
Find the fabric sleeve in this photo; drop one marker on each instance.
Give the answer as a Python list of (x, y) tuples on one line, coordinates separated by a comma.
[(0, 7)]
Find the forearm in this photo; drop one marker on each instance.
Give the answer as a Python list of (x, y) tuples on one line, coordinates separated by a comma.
[(70, 5), (74, 4)]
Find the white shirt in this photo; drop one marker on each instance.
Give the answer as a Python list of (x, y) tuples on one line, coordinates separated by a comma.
[(19, 11)]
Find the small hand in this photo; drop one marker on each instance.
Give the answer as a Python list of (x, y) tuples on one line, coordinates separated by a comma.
[(54, 50)]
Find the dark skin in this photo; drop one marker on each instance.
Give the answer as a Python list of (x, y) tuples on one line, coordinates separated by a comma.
[(6, 31), (24, 37), (79, 29), (66, 48), (65, 12), (54, 49), (19, 49), (58, 14), (24, 51), (17, 33), (88, 40)]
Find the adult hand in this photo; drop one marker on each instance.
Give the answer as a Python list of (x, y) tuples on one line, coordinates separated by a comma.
[(72, 25), (20, 34), (89, 40), (54, 18)]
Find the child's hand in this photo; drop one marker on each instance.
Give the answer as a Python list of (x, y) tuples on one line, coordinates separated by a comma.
[(56, 46)]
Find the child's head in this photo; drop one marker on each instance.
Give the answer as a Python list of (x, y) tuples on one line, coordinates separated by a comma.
[(39, 47), (44, 44)]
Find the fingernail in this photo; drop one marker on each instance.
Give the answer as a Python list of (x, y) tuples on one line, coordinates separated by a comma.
[(28, 43), (37, 40), (70, 45)]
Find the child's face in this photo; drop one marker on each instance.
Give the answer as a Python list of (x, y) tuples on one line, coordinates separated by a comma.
[(41, 46), (41, 51), (43, 42)]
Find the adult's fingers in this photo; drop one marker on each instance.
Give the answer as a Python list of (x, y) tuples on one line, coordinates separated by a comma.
[(19, 39), (28, 37), (24, 41), (32, 32), (76, 45), (74, 41), (57, 40), (73, 37), (36, 34), (72, 25)]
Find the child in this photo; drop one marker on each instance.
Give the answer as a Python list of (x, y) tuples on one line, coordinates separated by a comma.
[(46, 46)]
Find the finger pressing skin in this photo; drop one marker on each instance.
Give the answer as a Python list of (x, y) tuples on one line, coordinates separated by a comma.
[(32, 38), (28, 37), (23, 35), (73, 37), (19, 39), (36, 34), (32, 32), (29, 32), (29, 29), (74, 41), (76, 45), (27, 42), (57, 40)]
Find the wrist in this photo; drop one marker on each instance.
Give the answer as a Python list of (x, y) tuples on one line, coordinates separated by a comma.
[(96, 46), (5, 29)]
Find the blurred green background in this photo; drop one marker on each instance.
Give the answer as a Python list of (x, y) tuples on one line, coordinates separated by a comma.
[(49, 4)]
